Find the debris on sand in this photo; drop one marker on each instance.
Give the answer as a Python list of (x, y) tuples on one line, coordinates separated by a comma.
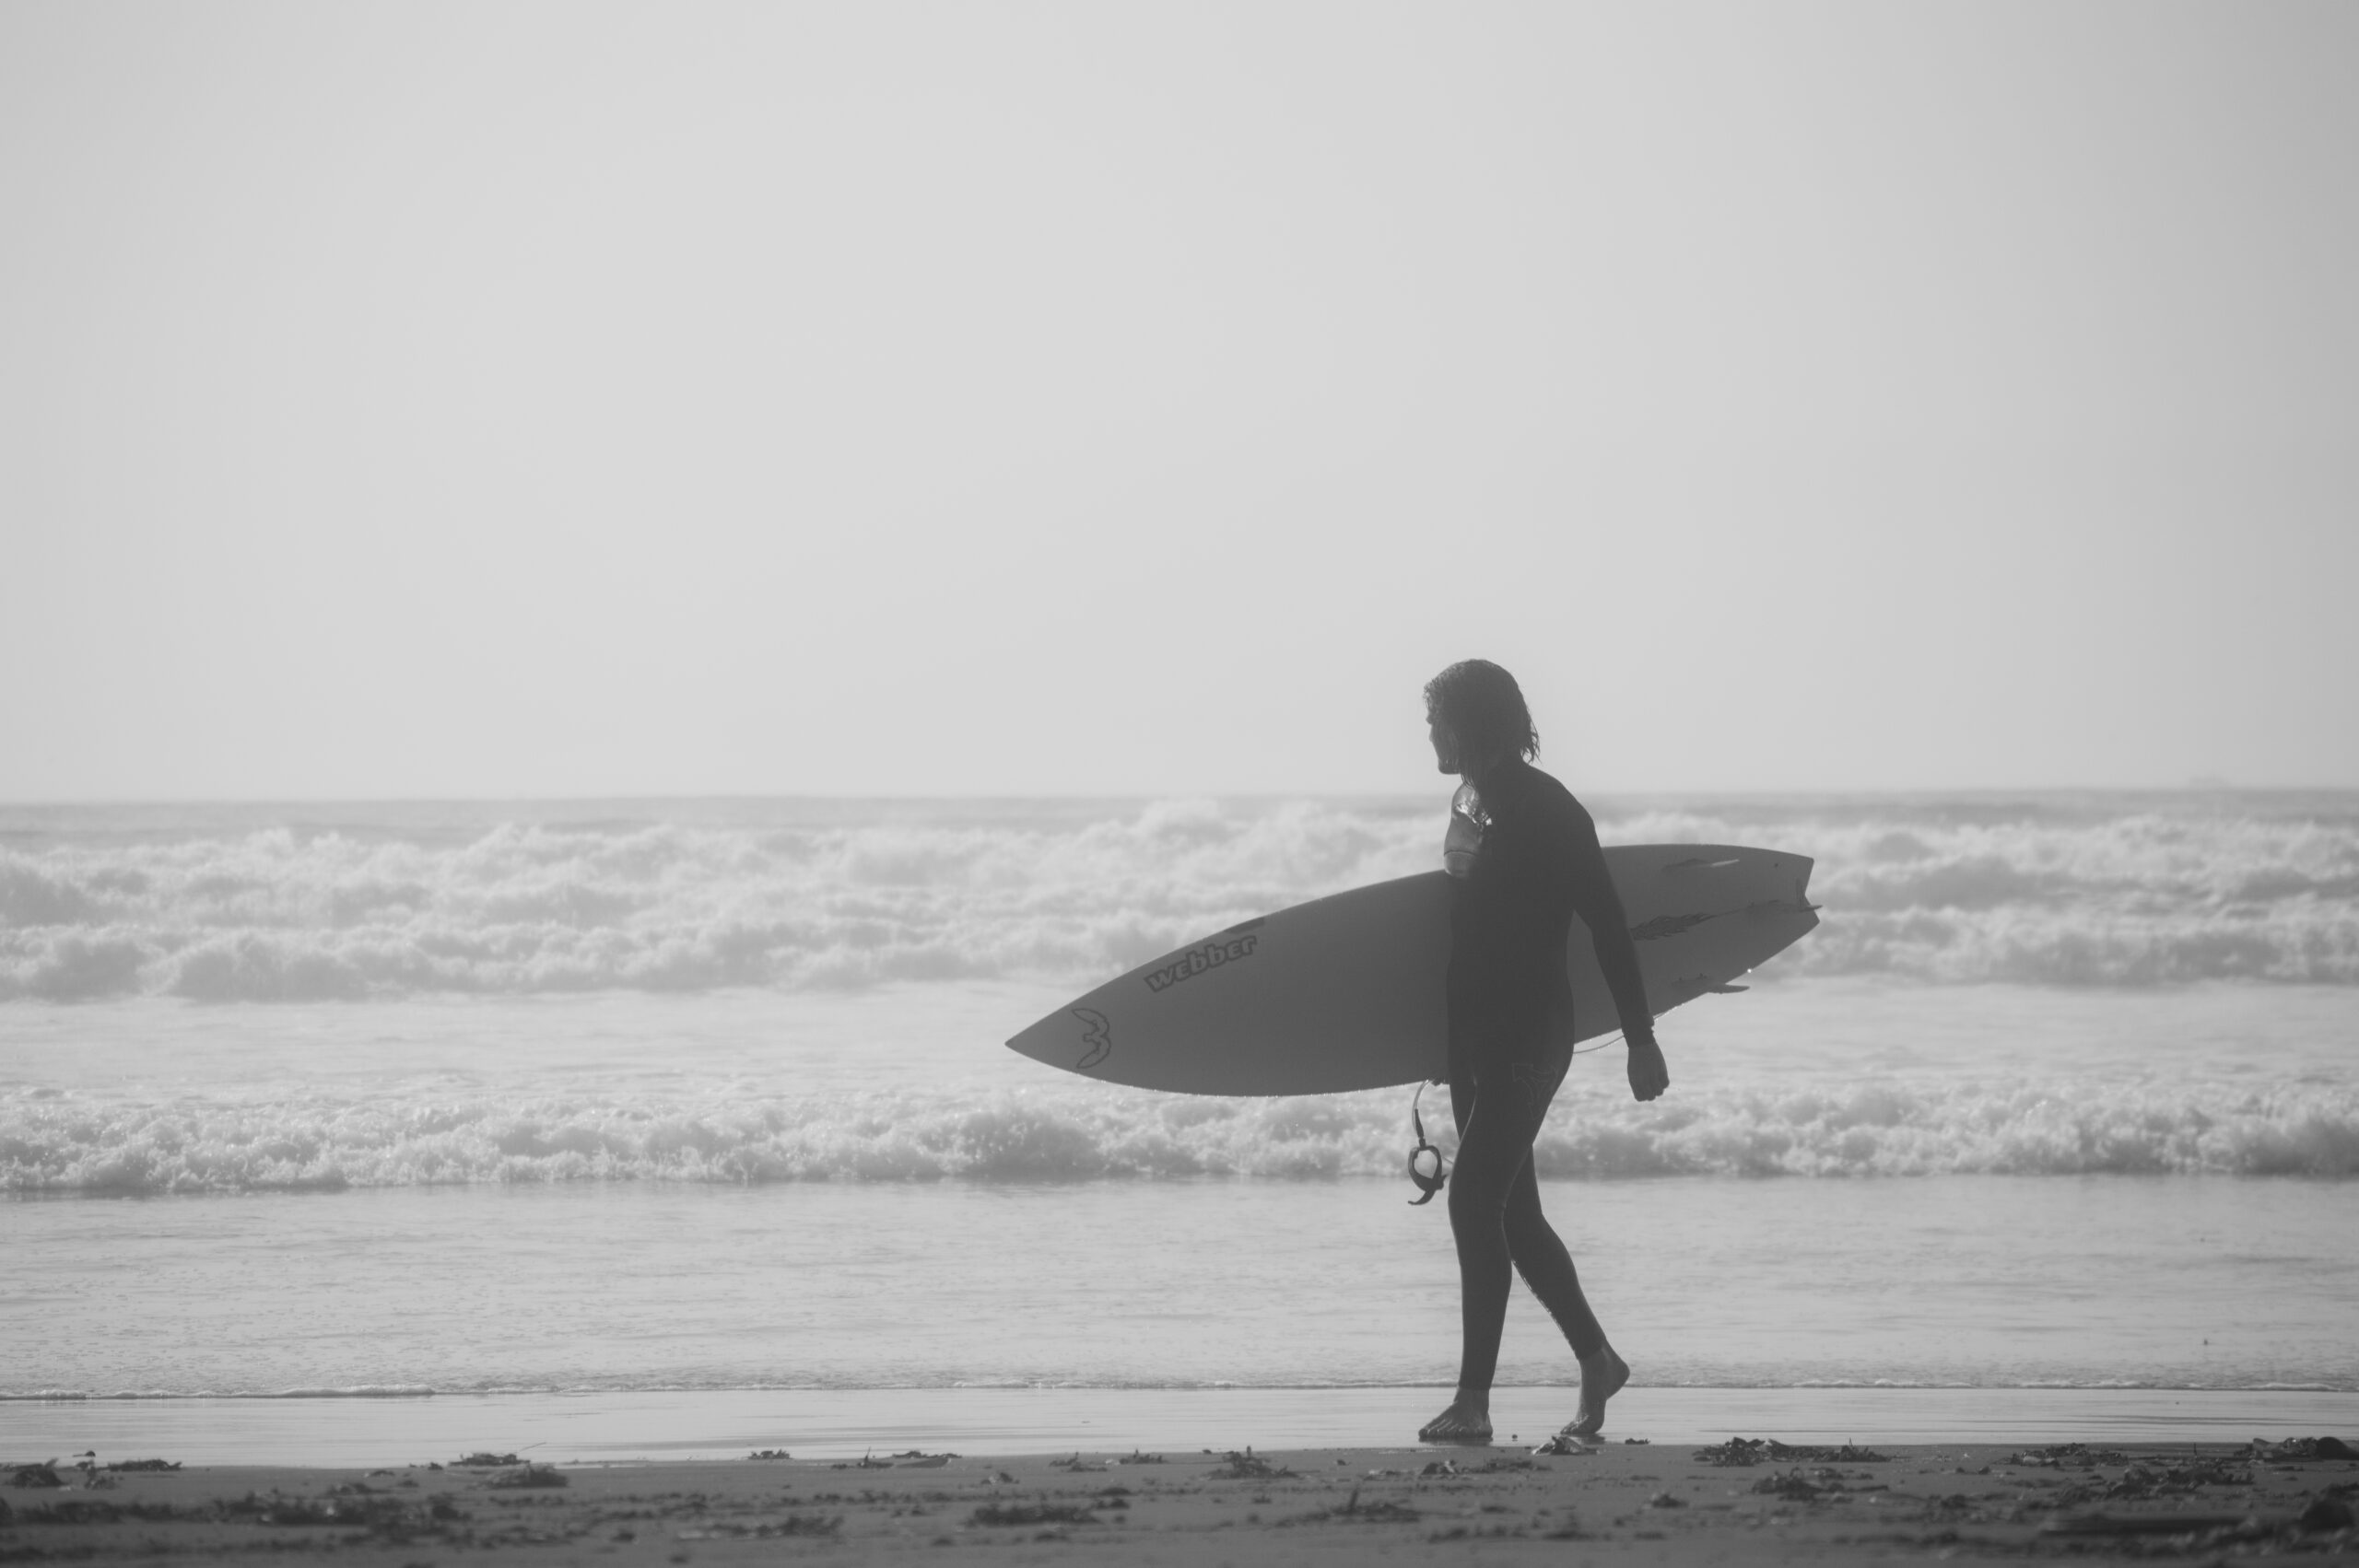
[(1006, 1513), (2067, 1457), (2296, 1449), (1248, 1466), (146, 1465), (1383, 1511), (390, 1518), (86, 1511), (768, 1529), (1756, 1450), (43, 1475), (1799, 1486), (770, 1453), (2163, 1478), (485, 1460), (1565, 1445), (527, 1477), (2146, 1524), (2327, 1512)]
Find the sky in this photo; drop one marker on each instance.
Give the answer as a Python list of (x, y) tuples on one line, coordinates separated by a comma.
[(588, 400)]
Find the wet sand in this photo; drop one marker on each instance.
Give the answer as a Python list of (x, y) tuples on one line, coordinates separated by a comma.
[(1733, 1502)]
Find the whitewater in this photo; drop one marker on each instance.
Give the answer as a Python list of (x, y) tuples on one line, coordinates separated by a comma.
[(351, 902), (635, 1097), (185, 985)]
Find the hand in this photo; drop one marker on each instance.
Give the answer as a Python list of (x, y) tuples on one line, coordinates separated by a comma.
[(1649, 1075)]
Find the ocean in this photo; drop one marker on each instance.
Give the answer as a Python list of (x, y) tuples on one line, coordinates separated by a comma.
[(665, 1107)]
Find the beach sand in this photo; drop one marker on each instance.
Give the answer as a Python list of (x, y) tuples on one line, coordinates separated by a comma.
[(1733, 1502)]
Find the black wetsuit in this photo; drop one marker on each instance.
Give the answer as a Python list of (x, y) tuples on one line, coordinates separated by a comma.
[(1511, 1040)]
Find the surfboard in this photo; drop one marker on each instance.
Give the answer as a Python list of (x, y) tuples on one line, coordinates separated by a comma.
[(1345, 992)]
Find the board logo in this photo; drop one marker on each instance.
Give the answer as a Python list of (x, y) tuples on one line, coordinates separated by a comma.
[(1197, 961), (1098, 1034)]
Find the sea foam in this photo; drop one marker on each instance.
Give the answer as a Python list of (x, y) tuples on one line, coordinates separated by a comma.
[(51, 1142), (260, 903)]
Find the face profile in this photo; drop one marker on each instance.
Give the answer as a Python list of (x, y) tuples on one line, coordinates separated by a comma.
[(1445, 742)]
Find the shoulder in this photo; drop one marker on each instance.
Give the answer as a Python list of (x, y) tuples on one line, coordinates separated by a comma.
[(1546, 799)]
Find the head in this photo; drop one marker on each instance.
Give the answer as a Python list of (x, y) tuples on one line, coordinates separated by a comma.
[(1477, 718)]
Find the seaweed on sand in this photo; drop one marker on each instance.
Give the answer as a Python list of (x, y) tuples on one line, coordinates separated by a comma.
[(2067, 1457), (1796, 1487), (2299, 1449), (768, 1529), (527, 1477), (88, 1511), (1006, 1513), (393, 1517), (2163, 1478), (1756, 1450), (1383, 1511), (1248, 1466)]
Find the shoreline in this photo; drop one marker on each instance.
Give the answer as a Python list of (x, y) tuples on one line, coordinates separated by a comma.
[(375, 1431), (1672, 1504)]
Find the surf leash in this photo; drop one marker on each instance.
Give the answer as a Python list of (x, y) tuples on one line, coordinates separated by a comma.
[(1428, 1182)]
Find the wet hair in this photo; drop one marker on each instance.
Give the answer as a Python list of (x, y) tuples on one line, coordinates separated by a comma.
[(1484, 708)]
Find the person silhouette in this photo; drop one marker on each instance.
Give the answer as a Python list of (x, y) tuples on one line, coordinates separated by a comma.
[(1525, 860)]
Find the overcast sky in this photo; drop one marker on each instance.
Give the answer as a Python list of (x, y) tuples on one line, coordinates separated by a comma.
[(584, 399)]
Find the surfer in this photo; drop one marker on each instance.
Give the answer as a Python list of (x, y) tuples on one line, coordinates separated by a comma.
[(1527, 860)]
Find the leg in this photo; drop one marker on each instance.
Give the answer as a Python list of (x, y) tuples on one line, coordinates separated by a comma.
[(1547, 1268), (1497, 1121)]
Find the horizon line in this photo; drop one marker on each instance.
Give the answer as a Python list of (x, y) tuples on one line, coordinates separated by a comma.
[(2205, 786)]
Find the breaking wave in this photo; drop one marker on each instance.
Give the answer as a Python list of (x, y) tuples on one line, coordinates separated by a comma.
[(55, 1142), (257, 904)]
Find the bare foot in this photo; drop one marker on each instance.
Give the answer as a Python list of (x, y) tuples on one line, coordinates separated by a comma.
[(1466, 1420), (1602, 1377)]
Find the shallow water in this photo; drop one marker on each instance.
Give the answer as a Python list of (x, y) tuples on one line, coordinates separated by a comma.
[(1989, 1281), (844, 1424)]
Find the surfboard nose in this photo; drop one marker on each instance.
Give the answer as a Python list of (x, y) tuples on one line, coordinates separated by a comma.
[(1075, 1038)]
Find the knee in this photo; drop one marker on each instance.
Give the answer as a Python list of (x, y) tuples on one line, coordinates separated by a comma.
[(1530, 1235), (1475, 1202)]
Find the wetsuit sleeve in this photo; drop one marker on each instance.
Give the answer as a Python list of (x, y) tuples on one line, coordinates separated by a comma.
[(1600, 907)]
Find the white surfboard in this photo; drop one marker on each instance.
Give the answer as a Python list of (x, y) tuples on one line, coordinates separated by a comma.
[(1345, 992)]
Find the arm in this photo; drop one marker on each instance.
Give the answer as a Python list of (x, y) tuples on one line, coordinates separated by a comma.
[(1600, 907)]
